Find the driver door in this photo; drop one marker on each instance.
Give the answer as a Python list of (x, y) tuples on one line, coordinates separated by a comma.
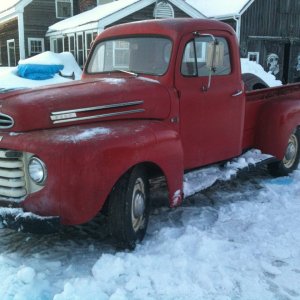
[(211, 108)]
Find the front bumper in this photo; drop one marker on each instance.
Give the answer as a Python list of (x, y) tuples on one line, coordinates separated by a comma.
[(15, 218)]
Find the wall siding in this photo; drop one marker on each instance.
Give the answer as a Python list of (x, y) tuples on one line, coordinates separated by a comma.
[(38, 16)]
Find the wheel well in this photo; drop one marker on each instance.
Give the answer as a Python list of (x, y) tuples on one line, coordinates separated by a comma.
[(158, 183)]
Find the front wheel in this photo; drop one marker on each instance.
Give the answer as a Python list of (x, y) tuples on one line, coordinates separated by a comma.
[(128, 208), (290, 161)]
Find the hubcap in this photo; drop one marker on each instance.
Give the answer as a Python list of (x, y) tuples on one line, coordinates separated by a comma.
[(138, 205), (291, 152)]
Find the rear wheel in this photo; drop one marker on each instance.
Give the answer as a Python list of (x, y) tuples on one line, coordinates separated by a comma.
[(290, 160), (129, 207)]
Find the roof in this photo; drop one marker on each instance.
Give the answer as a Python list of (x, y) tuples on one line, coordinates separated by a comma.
[(220, 8), (93, 15), (105, 14)]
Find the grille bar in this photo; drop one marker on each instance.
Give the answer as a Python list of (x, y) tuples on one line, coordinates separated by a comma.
[(12, 175)]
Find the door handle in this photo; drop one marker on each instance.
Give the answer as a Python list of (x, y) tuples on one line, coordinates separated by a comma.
[(237, 93)]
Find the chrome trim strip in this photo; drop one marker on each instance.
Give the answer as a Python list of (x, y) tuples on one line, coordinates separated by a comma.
[(101, 116), (116, 105)]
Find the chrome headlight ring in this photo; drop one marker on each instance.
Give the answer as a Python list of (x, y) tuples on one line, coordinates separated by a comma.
[(37, 170)]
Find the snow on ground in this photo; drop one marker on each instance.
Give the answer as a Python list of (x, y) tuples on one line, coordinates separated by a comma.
[(236, 240), (10, 79)]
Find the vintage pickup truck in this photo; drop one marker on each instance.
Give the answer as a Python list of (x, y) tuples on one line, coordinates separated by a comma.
[(157, 98)]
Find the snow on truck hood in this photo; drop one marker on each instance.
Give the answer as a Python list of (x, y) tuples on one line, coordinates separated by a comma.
[(85, 101)]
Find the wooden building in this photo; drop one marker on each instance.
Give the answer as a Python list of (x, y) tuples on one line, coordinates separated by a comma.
[(23, 25), (270, 34)]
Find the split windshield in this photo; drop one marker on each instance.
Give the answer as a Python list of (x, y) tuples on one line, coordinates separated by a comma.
[(145, 55)]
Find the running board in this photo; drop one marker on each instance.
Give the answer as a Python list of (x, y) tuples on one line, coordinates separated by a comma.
[(198, 180)]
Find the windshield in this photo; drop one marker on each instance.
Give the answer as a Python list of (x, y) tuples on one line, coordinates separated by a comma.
[(146, 55)]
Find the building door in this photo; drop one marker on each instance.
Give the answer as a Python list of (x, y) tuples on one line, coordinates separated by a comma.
[(11, 53)]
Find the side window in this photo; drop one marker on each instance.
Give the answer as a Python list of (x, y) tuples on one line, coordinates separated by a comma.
[(197, 57)]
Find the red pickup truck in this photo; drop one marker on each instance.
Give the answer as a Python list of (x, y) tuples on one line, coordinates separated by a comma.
[(157, 98)]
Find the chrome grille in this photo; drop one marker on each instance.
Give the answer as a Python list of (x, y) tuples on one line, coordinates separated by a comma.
[(6, 121), (12, 175)]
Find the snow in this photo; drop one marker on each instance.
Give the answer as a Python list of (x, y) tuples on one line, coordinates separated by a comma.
[(83, 135), (199, 180), (255, 68), (236, 240), (216, 8), (10, 79), (90, 16)]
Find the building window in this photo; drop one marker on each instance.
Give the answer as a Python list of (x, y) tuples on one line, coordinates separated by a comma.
[(57, 45), (11, 53), (121, 54), (163, 10), (35, 46), (64, 8), (89, 39), (80, 49), (71, 42), (253, 56)]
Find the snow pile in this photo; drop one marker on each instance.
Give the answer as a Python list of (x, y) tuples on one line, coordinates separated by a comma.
[(256, 69), (199, 180), (10, 79)]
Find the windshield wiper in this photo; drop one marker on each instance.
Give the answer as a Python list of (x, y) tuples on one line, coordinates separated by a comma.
[(128, 72)]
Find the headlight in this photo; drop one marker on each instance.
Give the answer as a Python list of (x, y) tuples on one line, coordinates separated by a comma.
[(37, 170)]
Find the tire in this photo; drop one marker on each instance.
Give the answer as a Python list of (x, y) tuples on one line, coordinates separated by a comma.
[(291, 158), (128, 208)]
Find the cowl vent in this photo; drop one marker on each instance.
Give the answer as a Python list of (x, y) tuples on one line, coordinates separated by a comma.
[(6, 121)]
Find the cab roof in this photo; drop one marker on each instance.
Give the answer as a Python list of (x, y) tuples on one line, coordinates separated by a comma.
[(174, 28)]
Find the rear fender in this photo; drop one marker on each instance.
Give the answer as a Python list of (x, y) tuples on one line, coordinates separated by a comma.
[(276, 122)]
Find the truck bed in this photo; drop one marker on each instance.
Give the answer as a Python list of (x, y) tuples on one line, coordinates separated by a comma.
[(257, 100)]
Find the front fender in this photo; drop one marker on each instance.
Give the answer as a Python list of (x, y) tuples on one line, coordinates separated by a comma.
[(84, 163), (276, 122)]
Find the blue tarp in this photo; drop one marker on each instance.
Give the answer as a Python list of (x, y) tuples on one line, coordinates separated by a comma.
[(38, 72)]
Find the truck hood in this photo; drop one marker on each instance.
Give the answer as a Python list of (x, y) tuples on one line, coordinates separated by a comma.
[(90, 100)]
